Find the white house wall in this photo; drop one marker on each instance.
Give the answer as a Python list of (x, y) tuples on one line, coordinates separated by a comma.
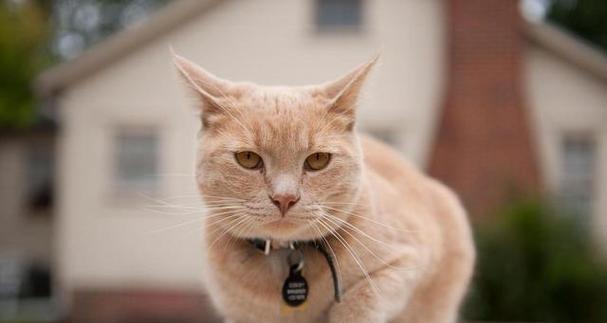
[(566, 99)]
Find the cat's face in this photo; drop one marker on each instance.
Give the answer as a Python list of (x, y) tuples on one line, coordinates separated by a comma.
[(275, 162)]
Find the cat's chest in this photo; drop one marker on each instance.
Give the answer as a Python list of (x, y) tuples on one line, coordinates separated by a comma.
[(261, 273), (255, 281)]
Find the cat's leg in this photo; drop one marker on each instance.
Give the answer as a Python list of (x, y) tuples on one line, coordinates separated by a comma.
[(377, 299)]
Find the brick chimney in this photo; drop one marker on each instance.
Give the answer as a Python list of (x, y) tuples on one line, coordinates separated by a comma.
[(483, 145)]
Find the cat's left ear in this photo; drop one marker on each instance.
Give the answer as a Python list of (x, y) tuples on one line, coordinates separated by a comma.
[(343, 93), (213, 92)]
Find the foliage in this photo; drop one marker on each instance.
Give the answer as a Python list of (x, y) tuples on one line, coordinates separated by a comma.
[(586, 18), (27, 38), (23, 34), (537, 265), (82, 23)]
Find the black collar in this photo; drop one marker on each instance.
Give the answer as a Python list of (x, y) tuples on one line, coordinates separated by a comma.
[(265, 246)]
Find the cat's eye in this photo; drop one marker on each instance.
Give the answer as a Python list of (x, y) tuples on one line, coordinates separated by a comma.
[(249, 159), (317, 161)]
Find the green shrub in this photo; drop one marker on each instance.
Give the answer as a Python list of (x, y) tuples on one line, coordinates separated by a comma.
[(535, 264)]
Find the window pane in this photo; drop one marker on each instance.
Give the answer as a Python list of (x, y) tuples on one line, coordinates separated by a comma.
[(39, 168), (578, 160), (137, 159), (11, 278), (339, 13)]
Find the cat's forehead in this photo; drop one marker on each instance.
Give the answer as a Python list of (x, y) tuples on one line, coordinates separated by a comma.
[(290, 119), (274, 99)]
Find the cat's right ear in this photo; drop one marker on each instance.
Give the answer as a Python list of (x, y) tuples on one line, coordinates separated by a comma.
[(209, 89)]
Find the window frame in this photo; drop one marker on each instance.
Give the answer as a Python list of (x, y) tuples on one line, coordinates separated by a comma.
[(565, 180), (120, 188), (34, 148), (322, 26)]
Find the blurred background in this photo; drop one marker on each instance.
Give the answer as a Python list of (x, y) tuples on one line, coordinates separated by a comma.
[(504, 100)]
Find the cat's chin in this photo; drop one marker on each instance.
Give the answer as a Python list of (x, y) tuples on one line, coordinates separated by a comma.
[(286, 229), (282, 225)]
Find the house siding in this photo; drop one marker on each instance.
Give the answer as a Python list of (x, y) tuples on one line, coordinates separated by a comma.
[(566, 99)]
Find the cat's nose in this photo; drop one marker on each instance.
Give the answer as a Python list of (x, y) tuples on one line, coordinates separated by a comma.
[(284, 201)]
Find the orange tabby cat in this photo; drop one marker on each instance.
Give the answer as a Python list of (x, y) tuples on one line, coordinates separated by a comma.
[(293, 191)]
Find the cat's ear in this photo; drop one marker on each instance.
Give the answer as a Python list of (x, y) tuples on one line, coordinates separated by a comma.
[(343, 93), (212, 91)]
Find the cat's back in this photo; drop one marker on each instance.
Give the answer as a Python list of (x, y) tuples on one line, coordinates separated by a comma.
[(389, 168), (389, 164), (420, 200)]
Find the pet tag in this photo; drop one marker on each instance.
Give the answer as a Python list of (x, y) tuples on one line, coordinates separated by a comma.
[(295, 287)]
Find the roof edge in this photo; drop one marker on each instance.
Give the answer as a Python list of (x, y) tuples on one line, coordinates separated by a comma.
[(116, 46), (52, 81), (570, 47)]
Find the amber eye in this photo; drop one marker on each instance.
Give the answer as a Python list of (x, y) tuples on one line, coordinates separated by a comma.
[(249, 159), (317, 161)]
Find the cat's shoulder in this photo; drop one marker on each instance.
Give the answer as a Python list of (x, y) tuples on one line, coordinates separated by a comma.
[(402, 175), (387, 161)]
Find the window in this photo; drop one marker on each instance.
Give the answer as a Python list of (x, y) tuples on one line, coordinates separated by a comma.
[(578, 163), (338, 14), (136, 160), (10, 278), (25, 290), (39, 175)]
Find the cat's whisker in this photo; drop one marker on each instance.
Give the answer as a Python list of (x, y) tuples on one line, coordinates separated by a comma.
[(213, 208), (354, 256), (224, 218), (222, 197), (162, 212), (161, 202), (171, 207), (371, 252), (200, 219), (175, 226), (236, 230), (366, 219), (220, 201), (342, 222), (341, 203), (247, 226), (326, 242), (250, 223), (232, 226), (218, 229), (231, 219), (190, 200), (174, 201), (220, 214), (171, 210)]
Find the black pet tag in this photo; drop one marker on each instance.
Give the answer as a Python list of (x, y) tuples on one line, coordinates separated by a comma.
[(295, 288)]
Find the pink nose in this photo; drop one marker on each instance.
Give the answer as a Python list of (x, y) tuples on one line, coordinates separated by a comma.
[(284, 201)]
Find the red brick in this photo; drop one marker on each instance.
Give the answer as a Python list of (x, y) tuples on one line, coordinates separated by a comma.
[(483, 144)]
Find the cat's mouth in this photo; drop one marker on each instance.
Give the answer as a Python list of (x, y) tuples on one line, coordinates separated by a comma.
[(283, 222), (285, 226)]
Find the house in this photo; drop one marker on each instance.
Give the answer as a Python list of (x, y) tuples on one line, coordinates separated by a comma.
[(463, 85), (26, 221)]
